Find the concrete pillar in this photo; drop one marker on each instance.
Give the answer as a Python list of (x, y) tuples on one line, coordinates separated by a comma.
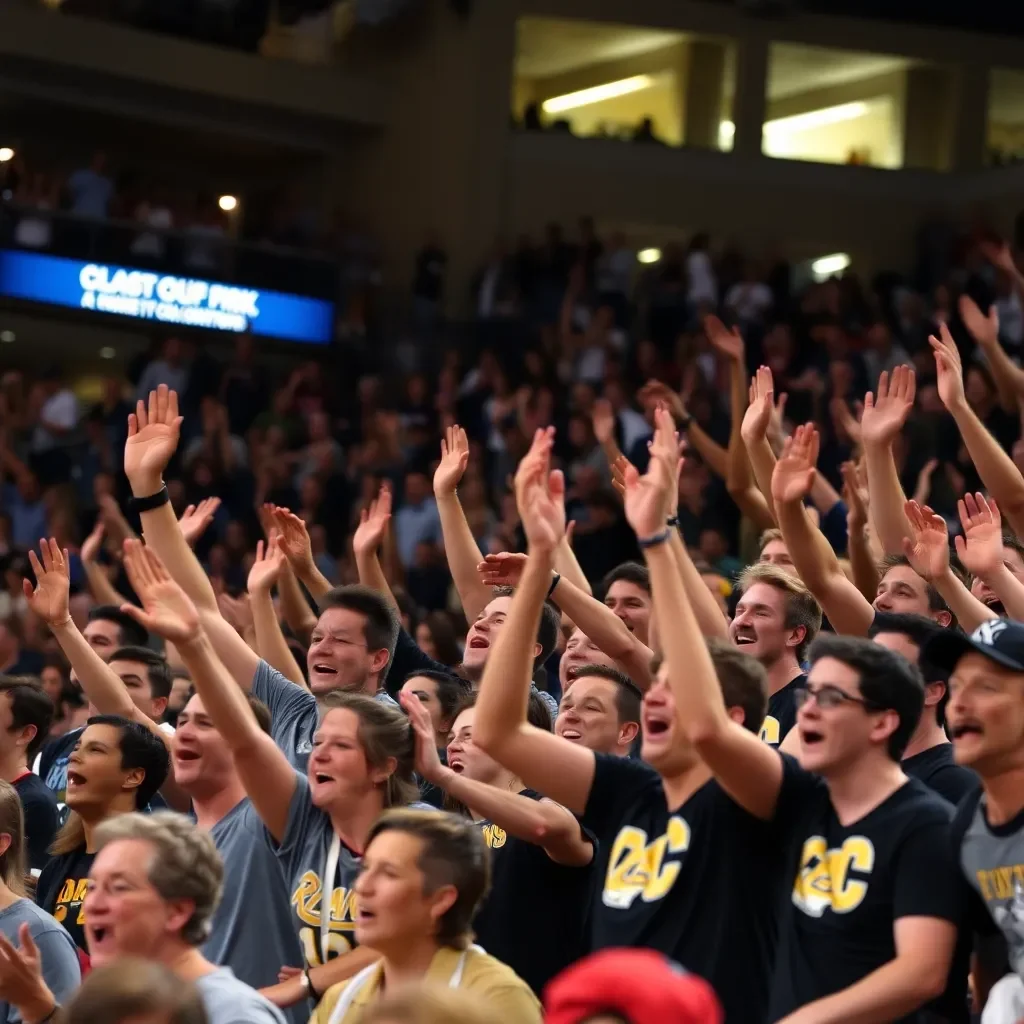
[(928, 118), (705, 84), (749, 98), (970, 125)]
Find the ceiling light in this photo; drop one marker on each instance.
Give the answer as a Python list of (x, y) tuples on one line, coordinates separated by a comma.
[(649, 255), (815, 119), (827, 266), (227, 203), (107, 352), (596, 94), (7, 337), (6, 153)]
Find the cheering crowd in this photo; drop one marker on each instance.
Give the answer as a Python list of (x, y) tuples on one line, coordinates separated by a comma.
[(800, 780)]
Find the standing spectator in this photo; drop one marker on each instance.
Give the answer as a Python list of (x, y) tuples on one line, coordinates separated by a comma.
[(614, 278), (56, 424), (417, 521), (243, 387), (15, 660), (428, 282), (90, 190), (155, 215), (701, 285)]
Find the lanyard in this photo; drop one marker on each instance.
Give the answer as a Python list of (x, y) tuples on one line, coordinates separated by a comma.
[(330, 868)]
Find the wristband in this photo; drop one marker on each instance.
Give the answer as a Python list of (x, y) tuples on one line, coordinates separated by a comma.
[(308, 985), (653, 542), (152, 501), (554, 583), (52, 1015), (672, 521)]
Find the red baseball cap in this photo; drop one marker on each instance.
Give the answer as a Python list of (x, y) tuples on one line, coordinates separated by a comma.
[(638, 984)]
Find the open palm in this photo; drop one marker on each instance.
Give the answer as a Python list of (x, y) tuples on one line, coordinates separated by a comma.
[(793, 475), (153, 432), (885, 414), (294, 540), (454, 459), (196, 518), (948, 367), (266, 570), (928, 549), (544, 509), (49, 598), (727, 341), (647, 498), (759, 412), (373, 523), (166, 608), (981, 547), (502, 570)]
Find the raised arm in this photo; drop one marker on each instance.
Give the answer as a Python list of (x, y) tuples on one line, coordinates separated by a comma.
[(815, 562), (754, 430), (927, 550), (167, 611), (1007, 376), (980, 550), (556, 767), (863, 559), (102, 590), (367, 540), (460, 546), (748, 769), (994, 466), (883, 419), (270, 641), (541, 822), (104, 688), (298, 550)]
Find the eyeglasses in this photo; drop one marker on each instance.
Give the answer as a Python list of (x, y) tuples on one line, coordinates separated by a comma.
[(827, 696)]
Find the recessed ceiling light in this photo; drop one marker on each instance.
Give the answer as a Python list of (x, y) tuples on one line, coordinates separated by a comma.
[(227, 203), (107, 352), (7, 337)]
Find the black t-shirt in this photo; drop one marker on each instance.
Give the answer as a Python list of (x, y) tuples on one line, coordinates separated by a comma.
[(699, 884), (39, 806), (853, 882), (781, 716), (61, 891), (534, 918), (937, 769)]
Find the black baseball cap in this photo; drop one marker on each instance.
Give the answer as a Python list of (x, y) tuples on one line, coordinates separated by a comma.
[(1002, 640)]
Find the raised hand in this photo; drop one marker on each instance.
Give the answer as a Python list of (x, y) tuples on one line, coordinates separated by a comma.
[(928, 550), (49, 598), (454, 459), (758, 418), (543, 508), (981, 547), (502, 570), (539, 455), (647, 497), (91, 547), (428, 763), (844, 421), (793, 476), (728, 341), (603, 418), (373, 522), (236, 611), (166, 608), (21, 978), (153, 432), (949, 369), (294, 540), (999, 254), (923, 486), (666, 446), (196, 518), (855, 495), (885, 414), (619, 467), (984, 328), (266, 570)]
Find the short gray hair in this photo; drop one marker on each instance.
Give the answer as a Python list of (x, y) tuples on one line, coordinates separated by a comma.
[(185, 864)]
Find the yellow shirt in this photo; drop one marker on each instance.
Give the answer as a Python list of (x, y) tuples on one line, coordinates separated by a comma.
[(500, 989)]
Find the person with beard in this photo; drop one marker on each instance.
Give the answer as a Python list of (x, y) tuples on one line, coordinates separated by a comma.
[(776, 622), (669, 838), (537, 847)]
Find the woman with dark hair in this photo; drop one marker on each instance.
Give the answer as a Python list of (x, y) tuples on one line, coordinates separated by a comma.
[(116, 767), (21, 921)]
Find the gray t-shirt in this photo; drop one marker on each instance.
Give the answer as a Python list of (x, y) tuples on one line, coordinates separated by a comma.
[(252, 928), (294, 715), (230, 1001), (61, 970), (303, 855)]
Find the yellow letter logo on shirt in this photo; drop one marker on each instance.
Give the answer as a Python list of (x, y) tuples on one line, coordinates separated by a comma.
[(638, 868), (823, 880), (771, 731)]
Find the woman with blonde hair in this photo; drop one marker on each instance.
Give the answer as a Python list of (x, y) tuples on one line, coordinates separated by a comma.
[(21, 921)]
